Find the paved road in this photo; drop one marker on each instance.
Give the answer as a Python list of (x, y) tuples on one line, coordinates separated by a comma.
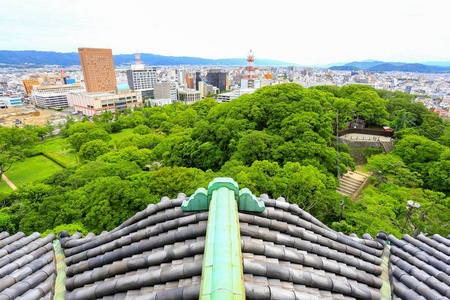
[(9, 182)]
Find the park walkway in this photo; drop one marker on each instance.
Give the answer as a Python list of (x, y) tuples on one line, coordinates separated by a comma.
[(9, 182)]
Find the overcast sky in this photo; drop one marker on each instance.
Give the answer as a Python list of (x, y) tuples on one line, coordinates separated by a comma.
[(312, 32)]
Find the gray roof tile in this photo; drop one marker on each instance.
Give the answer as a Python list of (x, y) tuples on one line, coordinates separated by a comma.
[(27, 266), (420, 265)]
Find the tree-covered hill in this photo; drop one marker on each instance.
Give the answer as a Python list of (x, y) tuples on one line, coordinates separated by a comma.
[(278, 141)]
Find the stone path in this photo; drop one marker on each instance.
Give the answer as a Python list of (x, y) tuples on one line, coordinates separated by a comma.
[(9, 182)]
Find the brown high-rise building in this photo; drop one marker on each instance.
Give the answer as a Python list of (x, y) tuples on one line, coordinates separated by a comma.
[(190, 81), (98, 69), (28, 85)]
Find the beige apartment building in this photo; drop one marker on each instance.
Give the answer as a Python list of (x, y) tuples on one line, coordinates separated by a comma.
[(189, 96), (90, 104), (205, 89), (98, 69)]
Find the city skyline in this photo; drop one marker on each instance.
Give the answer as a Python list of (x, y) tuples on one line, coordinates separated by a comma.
[(316, 33)]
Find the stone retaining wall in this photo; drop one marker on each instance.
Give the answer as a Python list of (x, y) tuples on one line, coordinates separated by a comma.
[(360, 149)]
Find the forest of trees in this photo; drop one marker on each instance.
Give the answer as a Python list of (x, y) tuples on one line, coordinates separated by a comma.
[(278, 140)]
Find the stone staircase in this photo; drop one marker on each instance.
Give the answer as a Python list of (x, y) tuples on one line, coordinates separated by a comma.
[(387, 146), (352, 183)]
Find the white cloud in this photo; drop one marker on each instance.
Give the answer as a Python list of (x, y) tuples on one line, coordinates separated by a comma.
[(304, 32)]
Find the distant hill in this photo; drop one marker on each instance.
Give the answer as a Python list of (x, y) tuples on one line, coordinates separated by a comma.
[(380, 66), (345, 68), (38, 58), (364, 64), (420, 68), (437, 63), (72, 58)]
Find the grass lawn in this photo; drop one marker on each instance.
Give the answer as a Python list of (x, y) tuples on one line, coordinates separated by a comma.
[(4, 188), (58, 150), (29, 170), (363, 169), (118, 135)]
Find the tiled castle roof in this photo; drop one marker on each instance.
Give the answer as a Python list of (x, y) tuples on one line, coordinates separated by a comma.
[(285, 254)]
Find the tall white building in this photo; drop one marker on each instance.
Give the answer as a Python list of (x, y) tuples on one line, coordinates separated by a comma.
[(181, 76), (141, 78)]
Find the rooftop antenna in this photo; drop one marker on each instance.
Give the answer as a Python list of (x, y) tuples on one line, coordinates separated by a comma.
[(137, 56), (250, 67)]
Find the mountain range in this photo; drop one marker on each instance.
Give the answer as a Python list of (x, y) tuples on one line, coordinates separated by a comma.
[(381, 66), (9, 57), (39, 58)]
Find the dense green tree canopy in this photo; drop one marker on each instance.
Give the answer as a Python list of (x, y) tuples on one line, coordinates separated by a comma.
[(415, 150), (370, 106), (396, 107), (83, 132), (391, 167), (278, 141), (142, 130), (93, 149)]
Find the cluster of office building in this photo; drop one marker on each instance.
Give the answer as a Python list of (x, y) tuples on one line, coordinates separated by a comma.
[(100, 85)]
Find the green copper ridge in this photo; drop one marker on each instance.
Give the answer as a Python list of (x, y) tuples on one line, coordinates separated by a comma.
[(197, 201), (201, 199), (248, 201), (60, 286), (222, 271)]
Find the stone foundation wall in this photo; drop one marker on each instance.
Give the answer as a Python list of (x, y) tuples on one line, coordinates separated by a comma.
[(360, 150)]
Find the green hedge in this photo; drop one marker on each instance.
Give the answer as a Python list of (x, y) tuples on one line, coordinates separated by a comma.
[(57, 161), (62, 164)]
